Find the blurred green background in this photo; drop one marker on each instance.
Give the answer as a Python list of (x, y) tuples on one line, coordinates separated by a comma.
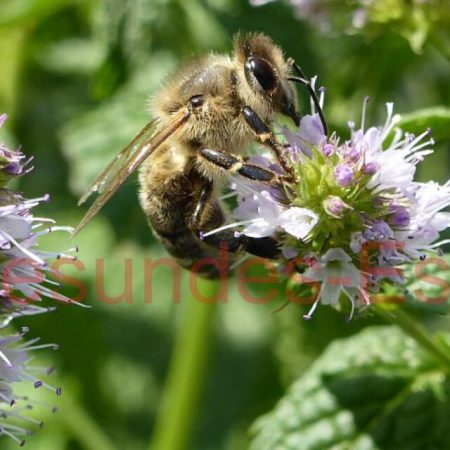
[(75, 79)]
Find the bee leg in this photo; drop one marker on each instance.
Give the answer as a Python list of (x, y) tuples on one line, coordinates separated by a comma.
[(203, 200), (236, 164), (266, 137), (266, 247), (303, 79)]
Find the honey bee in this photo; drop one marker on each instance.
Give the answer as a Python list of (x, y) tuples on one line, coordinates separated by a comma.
[(206, 114)]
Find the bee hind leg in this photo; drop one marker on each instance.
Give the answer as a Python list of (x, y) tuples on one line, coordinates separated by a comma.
[(265, 247)]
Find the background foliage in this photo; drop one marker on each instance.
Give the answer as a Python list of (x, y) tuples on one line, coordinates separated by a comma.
[(76, 76)]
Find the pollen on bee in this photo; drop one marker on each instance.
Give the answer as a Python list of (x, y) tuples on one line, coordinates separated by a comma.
[(236, 167)]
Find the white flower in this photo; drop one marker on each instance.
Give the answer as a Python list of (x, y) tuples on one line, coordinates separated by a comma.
[(337, 274), (270, 215), (261, 215), (298, 222), (269, 212), (397, 164), (426, 218)]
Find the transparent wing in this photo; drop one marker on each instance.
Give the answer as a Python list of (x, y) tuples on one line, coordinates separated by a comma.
[(126, 162), (117, 163)]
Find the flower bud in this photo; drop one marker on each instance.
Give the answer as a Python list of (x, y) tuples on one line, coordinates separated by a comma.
[(334, 206), (400, 217), (370, 168), (328, 150), (344, 175)]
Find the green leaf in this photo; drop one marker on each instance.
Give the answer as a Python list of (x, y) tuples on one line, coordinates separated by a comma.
[(12, 42), (18, 11), (437, 119), (375, 390), (430, 285), (203, 25), (72, 56)]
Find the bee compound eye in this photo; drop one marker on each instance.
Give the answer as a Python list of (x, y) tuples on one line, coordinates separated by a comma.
[(197, 101), (262, 71)]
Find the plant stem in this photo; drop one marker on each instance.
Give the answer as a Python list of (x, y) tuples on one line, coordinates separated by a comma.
[(83, 427), (417, 331), (180, 401)]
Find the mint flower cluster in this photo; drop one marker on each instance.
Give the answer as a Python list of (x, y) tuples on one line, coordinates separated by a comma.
[(24, 277), (354, 213)]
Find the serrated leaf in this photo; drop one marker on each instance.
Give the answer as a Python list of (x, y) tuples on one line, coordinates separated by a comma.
[(375, 390)]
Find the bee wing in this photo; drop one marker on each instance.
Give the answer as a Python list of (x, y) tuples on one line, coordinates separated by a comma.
[(126, 162), (119, 161)]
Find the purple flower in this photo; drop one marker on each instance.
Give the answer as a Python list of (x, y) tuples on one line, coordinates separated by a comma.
[(356, 241), (370, 168), (328, 149), (378, 230), (16, 355), (393, 218), (334, 206), (338, 275), (310, 134), (344, 175), (289, 252), (400, 217), (24, 277), (352, 153)]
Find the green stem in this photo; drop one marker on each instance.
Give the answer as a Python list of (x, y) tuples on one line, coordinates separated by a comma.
[(12, 43), (182, 393), (417, 331), (83, 427)]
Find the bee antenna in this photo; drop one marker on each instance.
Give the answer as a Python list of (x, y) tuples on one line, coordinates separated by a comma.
[(302, 79)]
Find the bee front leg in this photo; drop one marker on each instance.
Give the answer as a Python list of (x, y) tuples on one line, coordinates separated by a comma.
[(236, 164), (266, 247), (265, 136)]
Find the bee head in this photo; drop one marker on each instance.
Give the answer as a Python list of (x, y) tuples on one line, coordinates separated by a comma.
[(265, 75)]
